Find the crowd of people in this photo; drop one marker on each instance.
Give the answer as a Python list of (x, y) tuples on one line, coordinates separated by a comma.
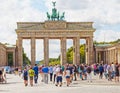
[(68, 72)]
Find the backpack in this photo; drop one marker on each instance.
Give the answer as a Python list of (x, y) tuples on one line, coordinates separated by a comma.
[(89, 70), (25, 73)]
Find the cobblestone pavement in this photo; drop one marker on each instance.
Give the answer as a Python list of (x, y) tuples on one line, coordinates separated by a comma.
[(15, 85)]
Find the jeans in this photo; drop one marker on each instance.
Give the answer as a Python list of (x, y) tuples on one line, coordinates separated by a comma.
[(51, 74), (46, 78), (35, 78)]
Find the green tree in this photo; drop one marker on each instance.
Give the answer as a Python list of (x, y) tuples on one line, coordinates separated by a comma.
[(26, 60), (82, 53), (70, 55)]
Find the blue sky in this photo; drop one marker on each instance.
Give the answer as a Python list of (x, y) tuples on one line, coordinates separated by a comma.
[(105, 15)]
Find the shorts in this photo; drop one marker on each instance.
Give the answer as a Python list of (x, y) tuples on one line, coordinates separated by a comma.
[(25, 77), (67, 76), (59, 79), (31, 78)]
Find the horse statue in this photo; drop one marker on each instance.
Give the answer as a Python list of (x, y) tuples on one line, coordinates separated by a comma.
[(62, 16), (48, 16), (58, 16)]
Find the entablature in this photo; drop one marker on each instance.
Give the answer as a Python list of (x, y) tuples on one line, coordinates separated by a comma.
[(55, 25)]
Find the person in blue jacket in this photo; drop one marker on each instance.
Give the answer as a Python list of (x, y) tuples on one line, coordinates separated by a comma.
[(101, 70), (35, 68)]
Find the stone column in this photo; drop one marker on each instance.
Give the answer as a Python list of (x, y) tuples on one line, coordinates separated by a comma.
[(20, 53), (89, 43), (63, 51), (96, 57), (110, 56), (86, 52), (106, 56), (46, 51), (76, 50), (118, 55), (13, 58), (33, 51), (115, 56), (104, 61)]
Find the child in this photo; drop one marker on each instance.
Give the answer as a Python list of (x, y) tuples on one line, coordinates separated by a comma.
[(31, 75), (25, 76)]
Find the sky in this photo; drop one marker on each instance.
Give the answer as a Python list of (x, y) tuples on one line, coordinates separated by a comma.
[(105, 15)]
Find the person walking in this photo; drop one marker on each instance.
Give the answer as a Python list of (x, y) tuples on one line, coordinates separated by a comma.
[(67, 75), (101, 70), (25, 76), (109, 71), (59, 75), (35, 68), (31, 75)]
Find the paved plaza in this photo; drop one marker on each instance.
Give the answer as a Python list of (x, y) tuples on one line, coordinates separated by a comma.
[(15, 85)]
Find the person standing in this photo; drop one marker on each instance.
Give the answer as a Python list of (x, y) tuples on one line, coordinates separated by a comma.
[(45, 71), (41, 73), (51, 72), (31, 75), (67, 75), (117, 73), (89, 76), (54, 73), (35, 68)]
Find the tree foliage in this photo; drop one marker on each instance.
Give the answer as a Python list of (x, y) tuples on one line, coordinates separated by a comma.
[(26, 60)]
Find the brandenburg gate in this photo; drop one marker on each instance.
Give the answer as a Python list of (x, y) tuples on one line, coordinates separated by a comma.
[(56, 28)]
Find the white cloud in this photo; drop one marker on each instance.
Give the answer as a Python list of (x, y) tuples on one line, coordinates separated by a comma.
[(101, 13), (106, 35), (90, 10)]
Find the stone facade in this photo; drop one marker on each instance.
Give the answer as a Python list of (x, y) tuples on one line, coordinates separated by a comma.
[(107, 53), (2, 55), (56, 30), (4, 50)]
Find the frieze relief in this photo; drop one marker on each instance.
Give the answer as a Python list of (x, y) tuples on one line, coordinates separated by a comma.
[(31, 26), (55, 25)]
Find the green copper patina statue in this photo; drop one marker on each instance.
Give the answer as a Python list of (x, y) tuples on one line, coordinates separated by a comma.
[(62, 17), (48, 16), (54, 3), (55, 15)]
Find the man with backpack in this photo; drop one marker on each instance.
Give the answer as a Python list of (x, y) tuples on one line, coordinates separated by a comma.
[(89, 76)]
